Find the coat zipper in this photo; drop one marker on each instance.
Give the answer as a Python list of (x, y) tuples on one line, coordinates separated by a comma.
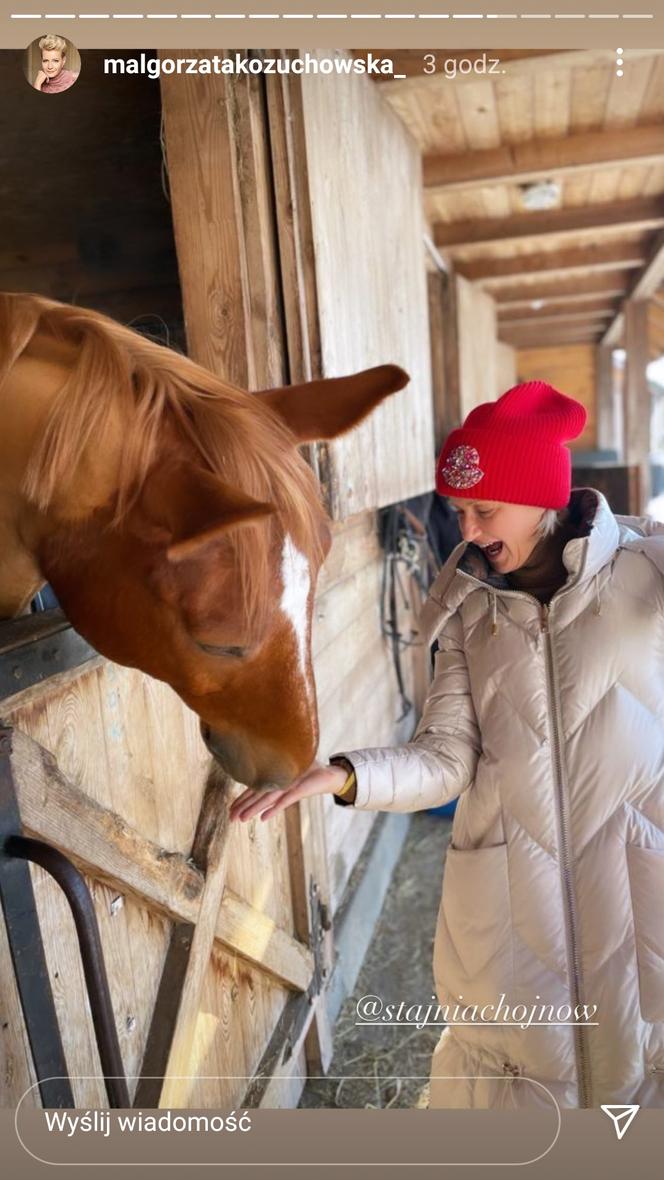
[(570, 909), (572, 923)]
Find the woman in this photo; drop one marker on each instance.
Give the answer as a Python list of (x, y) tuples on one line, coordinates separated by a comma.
[(546, 716), (53, 77)]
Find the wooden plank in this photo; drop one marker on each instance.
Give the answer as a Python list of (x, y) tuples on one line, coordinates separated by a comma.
[(548, 337), (656, 328), (539, 159), (132, 771), (357, 921), (436, 282), (296, 252), (598, 257), (479, 118), (570, 367), (652, 275), (645, 283), (362, 471), (294, 178), (644, 213), (344, 607), (582, 314), (105, 846), (552, 102), (348, 830), (506, 367), (606, 418), (62, 953), (476, 328), (354, 544), (80, 747), (577, 289), (637, 411), (451, 351), (209, 854), (202, 171)]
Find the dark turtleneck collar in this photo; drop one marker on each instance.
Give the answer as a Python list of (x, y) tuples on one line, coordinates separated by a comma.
[(544, 571)]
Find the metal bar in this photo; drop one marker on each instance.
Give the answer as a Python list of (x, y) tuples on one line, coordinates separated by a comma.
[(27, 951), (164, 1016), (36, 647), (77, 893)]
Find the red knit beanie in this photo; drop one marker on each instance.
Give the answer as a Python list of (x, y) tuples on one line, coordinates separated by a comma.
[(513, 449)]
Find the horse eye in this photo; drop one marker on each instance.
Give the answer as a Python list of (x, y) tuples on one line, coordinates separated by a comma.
[(213, 650)]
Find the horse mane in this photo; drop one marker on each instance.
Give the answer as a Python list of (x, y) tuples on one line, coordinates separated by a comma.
[(237, 436)]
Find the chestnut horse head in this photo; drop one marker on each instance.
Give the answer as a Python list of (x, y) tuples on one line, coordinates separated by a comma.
[(178, 524)]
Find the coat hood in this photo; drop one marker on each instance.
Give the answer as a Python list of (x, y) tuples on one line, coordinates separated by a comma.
[(599, 534)]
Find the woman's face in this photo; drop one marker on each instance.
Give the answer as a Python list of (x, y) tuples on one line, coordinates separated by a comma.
[(52, 62), (505, 532)]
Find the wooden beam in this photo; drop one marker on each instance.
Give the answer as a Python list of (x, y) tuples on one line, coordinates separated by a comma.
[(539, 159), (540, 306), (565, 309), (451, 349), (609, 283), (637, 409), (548, 339), (444, 413), (547, 335), (579, 317), (652, 275), (577, 259), (643, 285), (643, 213), (107, 848)]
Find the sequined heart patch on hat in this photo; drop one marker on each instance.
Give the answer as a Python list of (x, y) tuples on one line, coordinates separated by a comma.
[(462, 469)]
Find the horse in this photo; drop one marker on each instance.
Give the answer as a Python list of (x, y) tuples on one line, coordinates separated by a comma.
[(180, 527)]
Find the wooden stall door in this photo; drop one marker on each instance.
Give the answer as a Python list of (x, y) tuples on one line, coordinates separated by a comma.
[(197, 922)]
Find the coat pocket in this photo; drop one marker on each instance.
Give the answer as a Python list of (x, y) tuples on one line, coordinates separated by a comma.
[(646, 882), (473, 953)]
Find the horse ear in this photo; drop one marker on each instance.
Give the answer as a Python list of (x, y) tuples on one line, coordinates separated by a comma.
[(328, 408), (192, 507)]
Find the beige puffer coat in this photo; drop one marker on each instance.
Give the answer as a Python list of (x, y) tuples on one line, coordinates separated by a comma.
[(548, 721)]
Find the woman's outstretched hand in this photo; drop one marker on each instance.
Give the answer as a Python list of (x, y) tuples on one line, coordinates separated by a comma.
[(317, 780)]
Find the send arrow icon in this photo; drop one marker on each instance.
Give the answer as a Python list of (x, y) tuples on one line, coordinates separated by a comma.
[(622, 1117)]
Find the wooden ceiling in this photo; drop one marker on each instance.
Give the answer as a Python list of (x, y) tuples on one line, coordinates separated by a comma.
[(558, 275)]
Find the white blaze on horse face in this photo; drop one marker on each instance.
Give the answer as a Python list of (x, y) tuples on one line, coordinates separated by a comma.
[(296, 581)]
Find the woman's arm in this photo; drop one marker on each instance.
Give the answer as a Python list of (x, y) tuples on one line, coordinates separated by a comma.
[(440, 761), (436, 766)]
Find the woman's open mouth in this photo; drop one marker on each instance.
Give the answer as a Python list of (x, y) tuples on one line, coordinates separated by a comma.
[(492, 551)]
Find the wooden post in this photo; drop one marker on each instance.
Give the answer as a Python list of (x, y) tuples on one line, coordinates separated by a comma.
[(604, 392), (451, 353), (223, 220), (444, 421), (637, 409)]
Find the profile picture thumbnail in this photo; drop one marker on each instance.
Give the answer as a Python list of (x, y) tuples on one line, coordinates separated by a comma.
[(52, 63)]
